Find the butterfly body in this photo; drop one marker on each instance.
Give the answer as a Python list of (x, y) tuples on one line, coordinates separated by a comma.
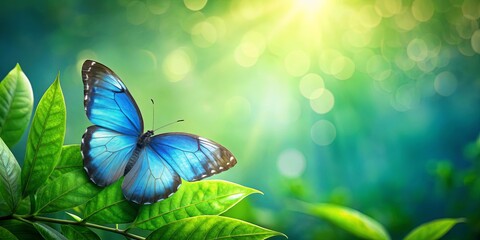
[(116, 146)]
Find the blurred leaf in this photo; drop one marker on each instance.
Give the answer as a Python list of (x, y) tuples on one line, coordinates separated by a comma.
[(20, 229), (110, 206), (70, 160), (9, 179), (48, 232), (349, 219), (45, 139), (78, 232), (434, 229), (212, 227), (67, 191), (192, 199), (6, 235), (16, 103)]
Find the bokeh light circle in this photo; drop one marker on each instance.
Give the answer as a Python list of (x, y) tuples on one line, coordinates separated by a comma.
[(378, 68), (343, 68), (177, 65), (475, 41), (204, 34), (326, 59), (323, 132), (423, 10), (405, 20), (250, 49), (291, 163), (297, 63), (158, 6), (368, 17), (445, 83), (311, 86), (137, 12), (471, 9), (195, 5), (323, 103), (417, 50), (388, 8)]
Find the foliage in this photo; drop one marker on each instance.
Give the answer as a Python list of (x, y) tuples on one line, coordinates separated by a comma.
[(52, 180), (365, 227)]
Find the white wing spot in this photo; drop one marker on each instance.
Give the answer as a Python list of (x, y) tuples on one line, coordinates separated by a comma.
[(220, 168), (87, 87), (89, 68), (86, 97), (204, 175), (213, 171), (231, 158), (93, 63), (86, 78), (228, 163), (179, 186), (169, 195)]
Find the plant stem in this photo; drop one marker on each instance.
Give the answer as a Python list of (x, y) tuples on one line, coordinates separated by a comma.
[(28, 218)]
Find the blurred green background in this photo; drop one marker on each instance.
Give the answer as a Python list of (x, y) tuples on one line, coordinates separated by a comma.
[(369, 104)]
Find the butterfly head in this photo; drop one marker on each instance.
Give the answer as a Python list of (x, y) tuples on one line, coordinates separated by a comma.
[(144, 139)]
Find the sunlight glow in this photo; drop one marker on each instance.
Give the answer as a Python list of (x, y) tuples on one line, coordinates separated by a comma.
[(309, 5)]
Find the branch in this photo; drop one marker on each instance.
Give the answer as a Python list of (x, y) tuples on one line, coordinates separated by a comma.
[(29, 218)]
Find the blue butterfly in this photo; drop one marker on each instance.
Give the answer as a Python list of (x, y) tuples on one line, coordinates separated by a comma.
[(116, 145)]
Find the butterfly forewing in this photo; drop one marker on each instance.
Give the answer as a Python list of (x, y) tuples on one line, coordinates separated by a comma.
[(108, 102)]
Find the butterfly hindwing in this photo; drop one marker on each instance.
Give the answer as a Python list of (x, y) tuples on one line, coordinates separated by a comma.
[(106, 153), (191, 156), (108, 102), (151, 179)]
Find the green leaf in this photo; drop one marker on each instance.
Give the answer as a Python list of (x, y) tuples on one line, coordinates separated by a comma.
[(70, 160), (48, 232), (45, 139), (434, 229), (349, 219), (20, 229), (212, 227), (192, 199), (6, 235), (79, 232), (67, 191), (110, 206), (16, 103), (9, 179)]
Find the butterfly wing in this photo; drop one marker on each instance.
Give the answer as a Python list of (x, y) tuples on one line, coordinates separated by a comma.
[(108, 145), (191, 156), (150, 180), (108, 102), (106, 153)]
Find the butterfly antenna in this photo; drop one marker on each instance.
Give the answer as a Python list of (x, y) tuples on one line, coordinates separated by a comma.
[(153, 118), (168, 124)]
